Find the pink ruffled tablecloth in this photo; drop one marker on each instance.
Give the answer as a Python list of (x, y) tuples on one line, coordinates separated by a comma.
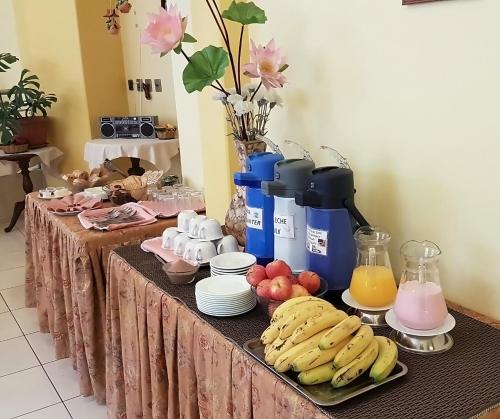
[(163, 361), (65, 281)]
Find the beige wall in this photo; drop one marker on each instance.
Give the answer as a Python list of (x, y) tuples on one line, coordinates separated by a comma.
[(9, 43), (140, 63), (68, 47), (410, 95)]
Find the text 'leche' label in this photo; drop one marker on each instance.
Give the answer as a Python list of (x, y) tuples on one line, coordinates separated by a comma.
[(283, 226)]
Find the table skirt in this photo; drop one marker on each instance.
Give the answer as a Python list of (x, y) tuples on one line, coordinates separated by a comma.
[(163, 361), (65, 281)]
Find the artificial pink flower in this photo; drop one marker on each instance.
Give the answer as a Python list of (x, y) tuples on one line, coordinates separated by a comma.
[(165, 30), (268, 64)]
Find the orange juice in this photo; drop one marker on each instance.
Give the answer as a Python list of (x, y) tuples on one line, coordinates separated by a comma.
[(373, 286)]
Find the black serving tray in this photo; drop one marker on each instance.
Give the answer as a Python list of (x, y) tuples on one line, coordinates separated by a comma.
[(324, 394)]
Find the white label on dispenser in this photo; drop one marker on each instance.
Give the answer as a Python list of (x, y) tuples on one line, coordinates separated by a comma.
[(317, 241), (283, 226), (254, 218)]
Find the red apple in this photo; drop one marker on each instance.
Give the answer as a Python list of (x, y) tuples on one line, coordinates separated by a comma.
[(281, 288), (264, 288), (310, 281), (293, 279), (277, 268), (298, 291), (256, 274)]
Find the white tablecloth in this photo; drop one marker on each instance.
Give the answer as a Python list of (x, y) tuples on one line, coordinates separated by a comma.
[(47, 156), (158, 152)]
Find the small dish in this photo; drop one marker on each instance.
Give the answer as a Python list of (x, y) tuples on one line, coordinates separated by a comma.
[(180, 272)]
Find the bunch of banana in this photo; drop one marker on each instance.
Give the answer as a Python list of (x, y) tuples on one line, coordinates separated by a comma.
[(289, 313), (321, 343)]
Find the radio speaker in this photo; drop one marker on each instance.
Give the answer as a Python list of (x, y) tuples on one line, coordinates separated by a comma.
[(147, 127), (108, 128)]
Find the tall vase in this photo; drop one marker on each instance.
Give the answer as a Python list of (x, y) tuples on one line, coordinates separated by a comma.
[(237, 214)]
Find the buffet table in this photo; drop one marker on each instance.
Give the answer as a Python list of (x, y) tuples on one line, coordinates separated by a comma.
[(65, 281), (166, 359), (158, 152)]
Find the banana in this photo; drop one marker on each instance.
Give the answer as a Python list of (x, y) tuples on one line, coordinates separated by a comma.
[(340, 332), (316, 324), (317, 375), (270, 334), (284, 361), (386, 360), (300, 316), (273, 330), (316, 357), (354, 347), (356, 367), (276, 350), (278, 313)]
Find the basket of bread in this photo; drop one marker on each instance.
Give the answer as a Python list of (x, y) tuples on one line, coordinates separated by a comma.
[(132, 188), (78, 180), (165, 132)]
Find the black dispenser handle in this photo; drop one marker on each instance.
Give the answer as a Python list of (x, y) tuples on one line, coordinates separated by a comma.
[(351, 207), (308, 198)]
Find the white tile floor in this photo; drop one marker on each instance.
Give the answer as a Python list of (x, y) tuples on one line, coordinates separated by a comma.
[(33, 384)]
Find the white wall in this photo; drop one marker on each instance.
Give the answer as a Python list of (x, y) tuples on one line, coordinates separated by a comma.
[(411, 96)]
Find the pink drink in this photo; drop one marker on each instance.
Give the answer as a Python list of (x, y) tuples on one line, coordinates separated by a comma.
[(420, 306)]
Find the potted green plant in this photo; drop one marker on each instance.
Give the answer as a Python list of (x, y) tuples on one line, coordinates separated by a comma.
[(23, 108)]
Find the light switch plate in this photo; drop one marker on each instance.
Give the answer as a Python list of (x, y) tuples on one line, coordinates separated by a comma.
[(157, 85), (139, 85)]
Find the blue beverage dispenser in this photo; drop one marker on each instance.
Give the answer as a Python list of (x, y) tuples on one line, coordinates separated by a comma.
[(331, 217), (260, 208)]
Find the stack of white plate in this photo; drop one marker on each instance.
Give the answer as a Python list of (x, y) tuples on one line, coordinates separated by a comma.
[(223, 296), (233, 263)]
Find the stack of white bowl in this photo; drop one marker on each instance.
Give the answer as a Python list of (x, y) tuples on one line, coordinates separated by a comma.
[(233, 263), (224, 296)]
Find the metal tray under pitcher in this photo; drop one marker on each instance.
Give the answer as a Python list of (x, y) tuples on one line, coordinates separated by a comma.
[(324, 394)]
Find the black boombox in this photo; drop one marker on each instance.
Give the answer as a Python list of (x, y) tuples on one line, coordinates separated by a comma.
[(128, 126)]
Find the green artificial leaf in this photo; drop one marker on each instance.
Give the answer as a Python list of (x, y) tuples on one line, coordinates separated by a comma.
[(162, 54), (204, 68), (189, 38), (178, 49), (244, 13), (5, 60)]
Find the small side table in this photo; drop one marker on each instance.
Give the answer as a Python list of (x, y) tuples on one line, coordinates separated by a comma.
[(23, 161)]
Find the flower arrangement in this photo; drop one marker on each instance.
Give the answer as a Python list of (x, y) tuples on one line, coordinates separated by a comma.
[(248, 107)]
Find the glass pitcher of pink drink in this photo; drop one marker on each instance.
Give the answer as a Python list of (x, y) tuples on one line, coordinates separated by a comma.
[(420, 302)]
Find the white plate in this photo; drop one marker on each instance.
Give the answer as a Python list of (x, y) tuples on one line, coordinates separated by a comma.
[(233, 261), (350, 301), (228, 308), (231, 299), (218, 314), (225, 285), (223, 303), (392, 321), (216, 272)]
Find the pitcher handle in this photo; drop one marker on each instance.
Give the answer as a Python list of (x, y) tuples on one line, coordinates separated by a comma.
[(340, 158), (273, 146), (305, 153)]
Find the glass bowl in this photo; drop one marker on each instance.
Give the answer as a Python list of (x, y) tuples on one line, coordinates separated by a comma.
[(180, 278), (268, 305)]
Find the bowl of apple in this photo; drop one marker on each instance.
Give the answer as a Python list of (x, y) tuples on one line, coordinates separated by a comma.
[(275, 283)]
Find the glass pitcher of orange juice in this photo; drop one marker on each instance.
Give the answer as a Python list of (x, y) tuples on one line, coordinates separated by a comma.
[(372, 282)]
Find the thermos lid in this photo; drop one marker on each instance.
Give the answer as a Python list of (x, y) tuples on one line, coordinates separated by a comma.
[(330, 187), (290, 176), (259, 166)]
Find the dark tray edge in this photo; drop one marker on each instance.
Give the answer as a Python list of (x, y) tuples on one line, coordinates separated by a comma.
[(302, 390)]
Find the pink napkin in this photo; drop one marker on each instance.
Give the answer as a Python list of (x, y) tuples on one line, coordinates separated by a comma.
[(73, 203), (162, 209), (154, 246), (146, 217)]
